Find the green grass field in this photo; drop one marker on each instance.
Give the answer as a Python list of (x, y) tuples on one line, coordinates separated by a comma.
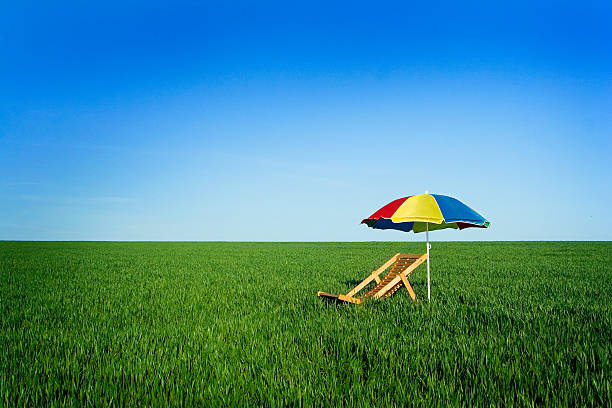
[(216, 324)]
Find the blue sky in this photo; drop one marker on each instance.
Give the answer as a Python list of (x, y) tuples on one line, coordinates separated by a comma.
[(279, 122)]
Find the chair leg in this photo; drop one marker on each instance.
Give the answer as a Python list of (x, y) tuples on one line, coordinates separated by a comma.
[(408, 287)]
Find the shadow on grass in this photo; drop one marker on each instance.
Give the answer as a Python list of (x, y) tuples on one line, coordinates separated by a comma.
[(352, 282)]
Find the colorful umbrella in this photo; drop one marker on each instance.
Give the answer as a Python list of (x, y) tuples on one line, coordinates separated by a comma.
[(424, 213)]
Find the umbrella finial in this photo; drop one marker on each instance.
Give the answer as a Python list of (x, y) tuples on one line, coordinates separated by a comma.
[(426, 191)]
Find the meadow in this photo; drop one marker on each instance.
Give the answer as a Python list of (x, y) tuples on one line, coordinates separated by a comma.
[(239, 324)]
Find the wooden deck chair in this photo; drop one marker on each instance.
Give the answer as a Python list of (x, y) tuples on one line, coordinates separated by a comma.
[(402, 266)]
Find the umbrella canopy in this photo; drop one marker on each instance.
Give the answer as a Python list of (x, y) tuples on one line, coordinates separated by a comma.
[(423, 212)]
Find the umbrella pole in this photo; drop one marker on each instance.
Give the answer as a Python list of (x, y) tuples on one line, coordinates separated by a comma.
[(428, 281)]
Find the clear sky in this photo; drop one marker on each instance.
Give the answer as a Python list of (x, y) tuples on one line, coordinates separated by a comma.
[(281, 122)]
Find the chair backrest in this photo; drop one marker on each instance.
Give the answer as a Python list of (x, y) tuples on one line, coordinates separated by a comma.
[(402, 263)]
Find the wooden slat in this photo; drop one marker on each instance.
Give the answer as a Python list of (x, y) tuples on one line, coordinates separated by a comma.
[(388, 278), (391, 291), (373, 276), (405, 263), (386, 288)]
